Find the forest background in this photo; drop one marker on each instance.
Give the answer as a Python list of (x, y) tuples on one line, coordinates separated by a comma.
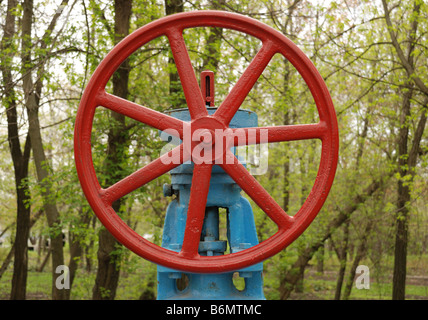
[(373, 56)]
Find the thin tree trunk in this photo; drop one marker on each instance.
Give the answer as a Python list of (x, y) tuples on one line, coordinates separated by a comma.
[(43, 169), (286, 121), (361, 251), (10, 255), (42, 266), (7, 261), (212, 52), (403, 193), (88, 261), (343, 252), (406, 58), (20, 163), (149, 291), (176, 95), (407, 164), (343, 255), (320, 259), (76, 251)]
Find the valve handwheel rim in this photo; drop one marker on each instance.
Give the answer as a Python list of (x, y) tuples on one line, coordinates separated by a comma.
[(188, 259)]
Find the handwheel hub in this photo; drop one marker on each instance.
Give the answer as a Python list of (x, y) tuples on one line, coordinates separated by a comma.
[(207, 143)]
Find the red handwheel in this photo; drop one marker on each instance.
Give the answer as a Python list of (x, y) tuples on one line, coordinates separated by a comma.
[(188, 259)]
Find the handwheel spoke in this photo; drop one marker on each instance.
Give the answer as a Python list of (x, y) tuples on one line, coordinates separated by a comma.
[(153, 170), (239, 92), (196, 210), (255, 191), (140, 113), (257, 135), (187, 75)]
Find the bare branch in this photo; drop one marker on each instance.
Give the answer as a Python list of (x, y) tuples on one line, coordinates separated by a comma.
[(405, 61)]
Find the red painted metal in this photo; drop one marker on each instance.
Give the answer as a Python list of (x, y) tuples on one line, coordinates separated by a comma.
[(196, 212), (289, 227)]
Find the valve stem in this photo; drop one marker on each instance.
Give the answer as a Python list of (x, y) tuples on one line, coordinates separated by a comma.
[(207, 87)]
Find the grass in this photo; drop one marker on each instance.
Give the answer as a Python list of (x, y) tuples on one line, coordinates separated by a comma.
[(39, 286), (316, 287), (323, 286), (137, 273), (324, 289)]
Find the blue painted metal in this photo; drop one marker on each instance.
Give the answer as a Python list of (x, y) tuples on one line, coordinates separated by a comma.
[(241, 230)]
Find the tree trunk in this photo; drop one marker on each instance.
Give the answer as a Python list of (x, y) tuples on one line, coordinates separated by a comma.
[(320, 259), (286, 165), (43, 169), (212, 52), (406, 160), (10, 255), (149, 291), (76, 250), (407, 163), (109, 258), (342, 255), (361, 251), (403, 193), (176, 95), (20, 163), (6, 263), (42, 266)]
